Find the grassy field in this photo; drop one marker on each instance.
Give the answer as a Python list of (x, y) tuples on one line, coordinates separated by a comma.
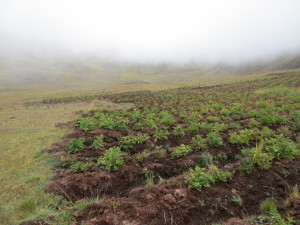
[(25, 130), (24, 169)]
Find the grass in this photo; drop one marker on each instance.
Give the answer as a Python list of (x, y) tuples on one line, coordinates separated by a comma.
[(25, 169), (279, 91)]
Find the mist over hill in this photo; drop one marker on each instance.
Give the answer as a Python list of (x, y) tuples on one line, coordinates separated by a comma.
[(21, 71)]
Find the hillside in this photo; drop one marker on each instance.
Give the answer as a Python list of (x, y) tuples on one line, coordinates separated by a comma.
[(36, 72), (184, 156)]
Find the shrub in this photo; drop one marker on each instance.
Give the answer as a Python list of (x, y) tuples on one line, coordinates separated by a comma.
[(181, 151), (200, 177), (234, 126), (98, 143), (268, 119), (127, 142), (219, 127), (281, 147), (112, 159), (285, 131), (261, 104), (167, 119), (80, 167), (253, 123), (217, 106), (218, 174), (214, 140), (246, 166), (225, 112), (198, 143), (139, 157), (213, 119), (207, 127), (266, 133), (160, 134), (179, 131), (84, 123), (243, 138), (113, 122), (138, 126), (206, 159), (159, 152), (76, 145), (193, 127), (255, 156)]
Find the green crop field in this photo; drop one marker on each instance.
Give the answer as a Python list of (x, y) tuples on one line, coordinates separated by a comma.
[(167, 144)]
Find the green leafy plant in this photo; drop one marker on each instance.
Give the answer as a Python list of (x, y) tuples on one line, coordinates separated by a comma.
[(181, 151), (112, 159), (201, 177), (80, 167), (213, 119), (198, 143), (225, 112), (234, 126), (214, 140), (128, 142), (255, 156), (179, 131), (159, 152), (266, 133), (206, 159), (281, 147), (98, 143), (243, 138), (268, 205), (167, 119), (76, 145), (160, 134), (236, 200), (149, 174), (201, 202), (193, 127), (139, 157), (207, 127), (84, 123), (218, 174)]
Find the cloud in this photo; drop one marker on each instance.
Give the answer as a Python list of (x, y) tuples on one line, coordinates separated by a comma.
[(140, 30)]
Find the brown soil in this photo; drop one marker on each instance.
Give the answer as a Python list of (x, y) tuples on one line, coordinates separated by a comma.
[(174, 203)]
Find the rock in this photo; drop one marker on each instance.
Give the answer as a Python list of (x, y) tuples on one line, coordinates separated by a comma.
[(180, 193), (169, 199)]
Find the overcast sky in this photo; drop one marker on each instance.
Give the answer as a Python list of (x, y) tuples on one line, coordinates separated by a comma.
[(153, 30)]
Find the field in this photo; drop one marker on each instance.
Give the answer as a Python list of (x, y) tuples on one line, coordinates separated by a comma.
[(193, 154)]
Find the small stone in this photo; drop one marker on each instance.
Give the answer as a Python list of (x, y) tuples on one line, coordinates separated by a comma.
[(180, 193), (169, 198)]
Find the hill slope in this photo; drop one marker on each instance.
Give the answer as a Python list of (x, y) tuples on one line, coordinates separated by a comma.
[(29, 71)]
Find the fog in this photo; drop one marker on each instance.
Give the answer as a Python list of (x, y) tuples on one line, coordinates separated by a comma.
[(176, 31)]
